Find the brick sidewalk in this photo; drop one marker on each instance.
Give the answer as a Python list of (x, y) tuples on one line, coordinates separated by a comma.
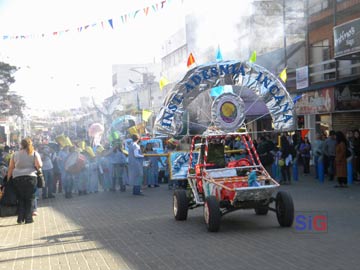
[(121, 231)]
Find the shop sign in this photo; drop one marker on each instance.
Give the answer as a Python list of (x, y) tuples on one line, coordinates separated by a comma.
[(316, 102), (347, 39), (347, 98)]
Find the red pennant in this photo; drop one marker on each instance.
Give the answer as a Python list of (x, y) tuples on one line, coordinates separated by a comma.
[(303, 133), (146, 11), (191, 60)]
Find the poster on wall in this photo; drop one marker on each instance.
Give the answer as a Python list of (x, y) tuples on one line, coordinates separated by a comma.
[(347, 98), (302, 77), (316, 102)]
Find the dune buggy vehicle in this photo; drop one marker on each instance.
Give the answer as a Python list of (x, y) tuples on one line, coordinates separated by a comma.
[(222, 185)]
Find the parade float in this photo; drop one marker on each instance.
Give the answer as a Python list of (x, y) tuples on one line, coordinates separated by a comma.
[(218, 185)]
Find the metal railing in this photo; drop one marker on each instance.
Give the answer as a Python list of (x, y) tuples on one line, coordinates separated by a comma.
[(328, 70)]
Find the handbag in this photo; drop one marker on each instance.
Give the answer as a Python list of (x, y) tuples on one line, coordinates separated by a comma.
[(39, 177), (281, 162)]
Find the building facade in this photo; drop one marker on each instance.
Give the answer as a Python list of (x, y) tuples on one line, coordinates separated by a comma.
[(329, 81), (275, 29)]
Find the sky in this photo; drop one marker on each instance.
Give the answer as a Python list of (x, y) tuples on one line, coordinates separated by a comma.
[(55, 71)]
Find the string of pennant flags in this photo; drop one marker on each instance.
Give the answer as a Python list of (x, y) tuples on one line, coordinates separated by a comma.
[(111, 23)]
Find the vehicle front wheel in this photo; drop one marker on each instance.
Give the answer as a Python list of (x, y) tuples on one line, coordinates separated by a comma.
[(284, 209), (180, 205), (212, 214)]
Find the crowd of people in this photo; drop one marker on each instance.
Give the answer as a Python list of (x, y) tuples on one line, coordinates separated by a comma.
[(330, 153), (71, 170), (114, 168)]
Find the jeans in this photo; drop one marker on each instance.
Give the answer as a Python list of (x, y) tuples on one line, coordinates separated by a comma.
[(306, 161), (331, 168), (49, 182), (68, 183), (285, 173), (118, 176), (316, 163), (25, 187)]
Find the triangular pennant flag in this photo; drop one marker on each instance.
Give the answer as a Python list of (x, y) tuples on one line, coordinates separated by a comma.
[(146, 115), (253, 57), (133, 130), (303, 133), (136, 12), (111, 23), (218, 54), (163, 81), (191, 60), (297, 98), (146, 11), (283, 75), (216, 91)]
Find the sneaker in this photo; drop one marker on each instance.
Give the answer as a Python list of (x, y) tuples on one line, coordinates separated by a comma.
[(35, 213)]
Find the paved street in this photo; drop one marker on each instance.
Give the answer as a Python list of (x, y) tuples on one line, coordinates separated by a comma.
[(120, 231)]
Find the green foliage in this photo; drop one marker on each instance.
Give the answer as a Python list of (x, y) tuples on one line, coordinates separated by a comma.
[(10, 102)]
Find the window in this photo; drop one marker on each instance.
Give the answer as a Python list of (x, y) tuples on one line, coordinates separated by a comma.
[(319, 53), (317, 6)]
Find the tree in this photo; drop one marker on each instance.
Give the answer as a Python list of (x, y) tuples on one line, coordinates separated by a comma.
[(10, 102)]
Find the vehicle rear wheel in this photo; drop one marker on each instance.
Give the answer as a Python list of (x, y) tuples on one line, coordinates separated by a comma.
[(262, 210), (284, 209), (180, 205), (212, 214)]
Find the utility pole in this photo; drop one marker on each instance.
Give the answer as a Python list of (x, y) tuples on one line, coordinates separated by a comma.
[(284, 28)]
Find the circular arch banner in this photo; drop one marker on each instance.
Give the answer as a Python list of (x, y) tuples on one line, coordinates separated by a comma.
[(263, 83)]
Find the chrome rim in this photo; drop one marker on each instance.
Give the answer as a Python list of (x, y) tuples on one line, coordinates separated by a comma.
[(175, 206), (206, 213)]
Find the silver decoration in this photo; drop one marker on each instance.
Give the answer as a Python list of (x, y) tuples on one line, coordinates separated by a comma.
[(204, 77), (239, 116)]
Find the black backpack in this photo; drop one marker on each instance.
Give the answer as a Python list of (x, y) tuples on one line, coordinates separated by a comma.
[(9, 197)]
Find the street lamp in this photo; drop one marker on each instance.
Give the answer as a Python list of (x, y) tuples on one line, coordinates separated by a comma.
[(137, 94)]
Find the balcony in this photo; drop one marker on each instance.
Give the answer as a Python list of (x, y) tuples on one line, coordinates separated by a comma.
[(327, 71)]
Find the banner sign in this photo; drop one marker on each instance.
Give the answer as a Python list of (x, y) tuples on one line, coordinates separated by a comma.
[(302, 77), (179, 164), (315, 102)]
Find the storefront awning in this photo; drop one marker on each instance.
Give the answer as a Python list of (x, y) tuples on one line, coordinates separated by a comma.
[(328, 84)]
